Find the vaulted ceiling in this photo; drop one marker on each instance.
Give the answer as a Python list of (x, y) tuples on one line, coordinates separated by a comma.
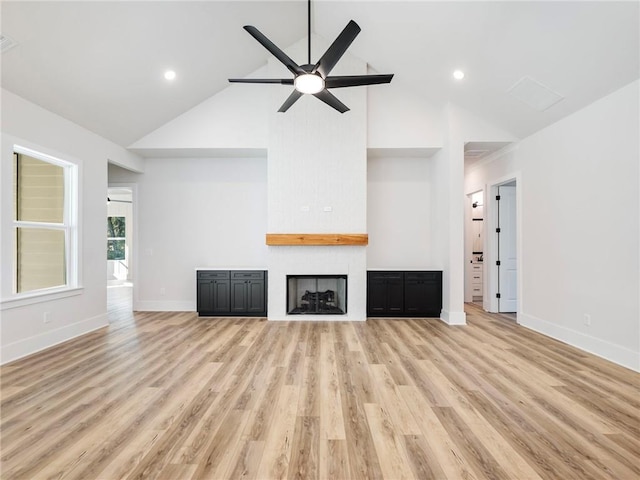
[(101, 64)]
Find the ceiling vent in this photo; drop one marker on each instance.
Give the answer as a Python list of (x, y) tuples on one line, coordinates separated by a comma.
[(6, 43), (534, 94)]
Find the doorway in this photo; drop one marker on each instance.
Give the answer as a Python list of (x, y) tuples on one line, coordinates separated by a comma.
[(474, 249), (120, 251)]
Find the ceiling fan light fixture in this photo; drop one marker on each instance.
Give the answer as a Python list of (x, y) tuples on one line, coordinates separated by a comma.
[(311, 78), (309, 83)]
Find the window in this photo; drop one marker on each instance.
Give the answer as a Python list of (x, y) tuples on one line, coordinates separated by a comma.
[(45, 206), (115, 238)]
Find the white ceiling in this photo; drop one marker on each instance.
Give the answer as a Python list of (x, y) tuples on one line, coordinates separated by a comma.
[(100, 64)]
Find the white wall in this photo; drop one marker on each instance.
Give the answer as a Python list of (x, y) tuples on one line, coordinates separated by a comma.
[(399, 237), (399, 200), (195, 212), (402, 118), (318, 159), (580, 226), (23, 328), (234, 118)]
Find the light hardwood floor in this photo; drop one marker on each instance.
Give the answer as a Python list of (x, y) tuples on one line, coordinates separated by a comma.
[(174, 396)]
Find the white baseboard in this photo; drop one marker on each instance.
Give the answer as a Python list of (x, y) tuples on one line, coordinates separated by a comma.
[(607, 350), (164, 306), (453, 318), (314, 318), (36, 343)]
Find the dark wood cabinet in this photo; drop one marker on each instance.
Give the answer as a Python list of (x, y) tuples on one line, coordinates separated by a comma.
[(385, 293), (423, 294), (404, 293), (248, 293), (213, 292), (231, 292)]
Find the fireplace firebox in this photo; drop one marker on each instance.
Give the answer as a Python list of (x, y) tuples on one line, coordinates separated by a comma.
[(317, 294)]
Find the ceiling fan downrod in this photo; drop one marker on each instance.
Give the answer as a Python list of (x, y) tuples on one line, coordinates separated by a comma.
[(309, 31)]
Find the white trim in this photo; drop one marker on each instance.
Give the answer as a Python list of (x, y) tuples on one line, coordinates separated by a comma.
[(453, 318), (164, 306), (607, 350), (50, 338), (69, 223), (45, 157), (38, 296), (316, 318), (511, 147), (134, 237), (490, 280)]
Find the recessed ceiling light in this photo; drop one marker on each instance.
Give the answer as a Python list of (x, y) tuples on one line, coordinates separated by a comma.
[(170, 75), (458, 74)]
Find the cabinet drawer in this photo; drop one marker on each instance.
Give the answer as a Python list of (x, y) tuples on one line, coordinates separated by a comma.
[(213, 275), (385, 275), (476, 291), (434, 276), (476, 278), (247, 275), (476, 268)]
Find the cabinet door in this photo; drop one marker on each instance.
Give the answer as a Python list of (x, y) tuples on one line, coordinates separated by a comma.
[(423, 293), (395, 295), (385, 293), (415, 297), (221, 296), (239, 296), (205, 296), (376, 296), (256, 297)]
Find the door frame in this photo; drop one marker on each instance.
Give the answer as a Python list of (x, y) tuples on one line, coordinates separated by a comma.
[(134, 214), (468, 240), (490, 301)]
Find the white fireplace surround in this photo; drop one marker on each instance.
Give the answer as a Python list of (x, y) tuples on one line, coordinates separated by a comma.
[(309, 260)]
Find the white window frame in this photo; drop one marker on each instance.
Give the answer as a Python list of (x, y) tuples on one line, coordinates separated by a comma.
[(70, 227)]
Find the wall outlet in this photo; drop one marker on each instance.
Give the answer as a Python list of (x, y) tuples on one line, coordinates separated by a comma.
[(587, 319), (163, 291), (304, 208), (328, 209), (46, 317)]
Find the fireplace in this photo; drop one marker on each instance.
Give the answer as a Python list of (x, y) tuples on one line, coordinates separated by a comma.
[(316, 294)]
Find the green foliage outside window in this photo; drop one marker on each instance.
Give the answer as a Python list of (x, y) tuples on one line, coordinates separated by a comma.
[(115, 238)]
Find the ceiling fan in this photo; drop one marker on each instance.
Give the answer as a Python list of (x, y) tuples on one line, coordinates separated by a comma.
[(315, 79)]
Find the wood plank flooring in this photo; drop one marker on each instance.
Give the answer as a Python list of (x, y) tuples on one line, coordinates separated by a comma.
[(174, 396)]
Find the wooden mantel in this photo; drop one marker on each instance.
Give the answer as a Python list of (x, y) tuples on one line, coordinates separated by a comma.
[(280, 239)]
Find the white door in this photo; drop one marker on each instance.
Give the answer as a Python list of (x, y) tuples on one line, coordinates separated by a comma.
[(507, 254)]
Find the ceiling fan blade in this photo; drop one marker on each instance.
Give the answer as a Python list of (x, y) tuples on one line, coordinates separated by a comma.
[(281, 81), (356, 80), (295, 95), (327, 97), (337, 49), (275, 51)]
